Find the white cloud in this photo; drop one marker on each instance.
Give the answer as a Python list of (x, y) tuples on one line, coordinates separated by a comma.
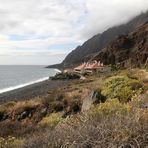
[(46, 17), (103, 14), (55, 22)]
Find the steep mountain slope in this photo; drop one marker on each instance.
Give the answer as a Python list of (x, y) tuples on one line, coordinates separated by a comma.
[(129, 50), (100, 41)]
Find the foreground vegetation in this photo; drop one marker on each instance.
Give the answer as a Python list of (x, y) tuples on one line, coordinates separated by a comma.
[(111, 124), (56, 120)]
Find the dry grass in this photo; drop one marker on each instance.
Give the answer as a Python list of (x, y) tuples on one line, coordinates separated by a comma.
[(111, 124), (11, 142), (23, 104)]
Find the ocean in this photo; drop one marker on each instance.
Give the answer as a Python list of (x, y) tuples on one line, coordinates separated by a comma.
[(14, 77)]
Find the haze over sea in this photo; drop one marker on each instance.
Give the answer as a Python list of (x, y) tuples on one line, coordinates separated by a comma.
[(13, 77)]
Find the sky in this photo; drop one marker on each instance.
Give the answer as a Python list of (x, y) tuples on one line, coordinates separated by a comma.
[(43, 32)]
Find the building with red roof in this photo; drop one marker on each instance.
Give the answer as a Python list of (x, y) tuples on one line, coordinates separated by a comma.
[(89, 67)]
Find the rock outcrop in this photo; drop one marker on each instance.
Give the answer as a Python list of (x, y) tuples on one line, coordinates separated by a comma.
[(129, 50), (100, 41), (95, 97), (65, 76)]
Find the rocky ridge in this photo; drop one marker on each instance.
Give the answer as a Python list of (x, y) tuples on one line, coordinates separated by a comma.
[(101, 41), (129, 50)]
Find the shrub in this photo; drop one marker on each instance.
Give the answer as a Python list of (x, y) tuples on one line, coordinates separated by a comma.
[(75, 105), (24, 105), (65, 76), (120, 87), (11, 142), (53, 96), (52, 120), (112, 106), (56, 106), (3, 110), (111, 124), (15, 128), (114, 67), (23, 109)]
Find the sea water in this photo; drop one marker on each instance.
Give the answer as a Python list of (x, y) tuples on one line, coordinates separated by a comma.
[(14, 77)]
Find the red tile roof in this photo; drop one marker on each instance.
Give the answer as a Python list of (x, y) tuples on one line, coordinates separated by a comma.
[(90, 66)]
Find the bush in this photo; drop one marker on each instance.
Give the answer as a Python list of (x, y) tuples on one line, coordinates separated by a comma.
[(114, 67), (121, 87), (75, 105), (52, 120), (3, 110), (111, 124), (15, 128), (56, 106), (65, 76), (112, 106), (53, 96), (11, 142)]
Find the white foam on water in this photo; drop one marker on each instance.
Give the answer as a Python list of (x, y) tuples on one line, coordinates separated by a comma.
[(22, 85), (26, 84), (57, 70)]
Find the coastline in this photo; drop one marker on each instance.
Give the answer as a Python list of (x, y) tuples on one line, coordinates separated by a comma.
[(22, 85), (11, 88), (32, 91)]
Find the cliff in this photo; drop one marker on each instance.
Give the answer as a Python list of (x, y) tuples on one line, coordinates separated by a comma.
[(129, 50), (100, 41)]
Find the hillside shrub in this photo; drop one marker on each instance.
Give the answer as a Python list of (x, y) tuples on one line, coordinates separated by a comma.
[(65, 76), (121, 87), (73, 105), (110, 124), (56, 106), (3, 110), (52, 120), (114, 67), (53, 95), (11, 142), (112, 106)]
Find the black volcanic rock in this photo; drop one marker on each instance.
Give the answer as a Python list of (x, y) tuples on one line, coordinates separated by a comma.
[(129, 50), (100, 41), (65, 76)]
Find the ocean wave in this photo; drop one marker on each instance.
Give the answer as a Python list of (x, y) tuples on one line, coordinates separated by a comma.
[(57, 70), (22, 85)]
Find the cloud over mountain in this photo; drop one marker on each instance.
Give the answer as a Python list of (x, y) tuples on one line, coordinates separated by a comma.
[(37, 24)]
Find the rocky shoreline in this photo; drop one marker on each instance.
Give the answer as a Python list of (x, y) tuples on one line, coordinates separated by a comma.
[(32, 91)]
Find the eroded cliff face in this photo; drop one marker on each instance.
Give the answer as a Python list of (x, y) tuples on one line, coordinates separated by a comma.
[(129, 50), (100, 41)]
